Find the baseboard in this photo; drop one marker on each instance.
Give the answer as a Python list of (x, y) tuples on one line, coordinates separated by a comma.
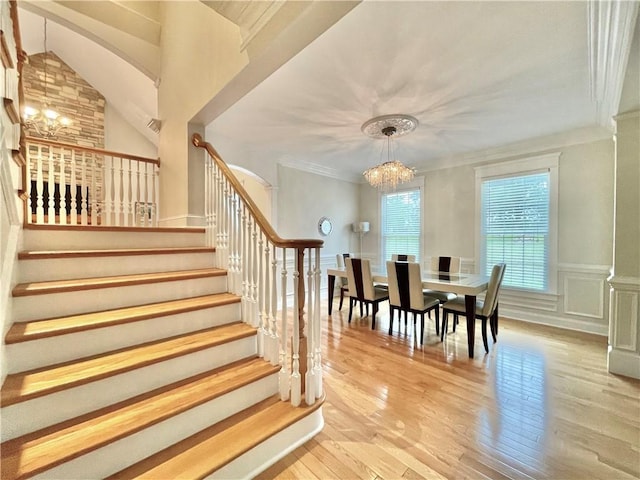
[(623, 363), (555, 321)]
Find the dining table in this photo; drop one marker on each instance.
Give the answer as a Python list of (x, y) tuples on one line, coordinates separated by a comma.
[(468, 284)]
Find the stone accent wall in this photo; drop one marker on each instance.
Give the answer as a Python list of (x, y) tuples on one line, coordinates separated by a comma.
[(68, 94)]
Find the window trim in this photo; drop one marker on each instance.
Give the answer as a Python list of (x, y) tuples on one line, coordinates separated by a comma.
[(525, 166), (416, 184)]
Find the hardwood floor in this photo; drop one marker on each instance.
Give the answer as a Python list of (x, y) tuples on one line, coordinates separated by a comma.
[(540, 405)]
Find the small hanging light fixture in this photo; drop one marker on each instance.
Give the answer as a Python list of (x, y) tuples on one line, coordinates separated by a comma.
[(46, 121), (386, 176)]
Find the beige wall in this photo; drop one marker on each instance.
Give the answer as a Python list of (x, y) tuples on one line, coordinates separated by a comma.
[(199, 56), (120, 137), (303, 198)]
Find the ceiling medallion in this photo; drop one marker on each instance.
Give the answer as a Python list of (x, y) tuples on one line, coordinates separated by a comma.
[(386, 176), (403, 125)]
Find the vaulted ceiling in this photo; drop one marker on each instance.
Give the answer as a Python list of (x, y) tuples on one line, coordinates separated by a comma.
[(477, 75)]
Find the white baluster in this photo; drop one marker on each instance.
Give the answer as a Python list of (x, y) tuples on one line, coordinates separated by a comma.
[(296, 381), (317, 364), (51, 184), (84, 203), (273, 327), (283, 377), (74, 190), (28, 186), (266, 299), (254, 275), (155, 209), (245, 264), (93, 196), (310, 379), (39, 189), (262, 330), (62, 186)]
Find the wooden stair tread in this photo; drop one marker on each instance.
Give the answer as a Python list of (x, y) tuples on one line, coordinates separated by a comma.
[(57, 286), (39, 451), (192, 458), (24, 386), (36, 329), (42, 254)]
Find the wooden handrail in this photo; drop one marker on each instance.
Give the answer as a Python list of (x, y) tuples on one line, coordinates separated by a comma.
[(264, 224), (99, 151)]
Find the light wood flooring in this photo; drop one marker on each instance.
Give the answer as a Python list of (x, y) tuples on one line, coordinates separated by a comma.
[(540, 405)]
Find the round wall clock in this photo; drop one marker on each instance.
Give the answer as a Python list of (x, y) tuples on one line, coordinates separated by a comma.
[(325, 226)]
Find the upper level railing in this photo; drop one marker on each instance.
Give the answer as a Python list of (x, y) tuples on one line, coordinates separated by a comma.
[(68, 184), (258, 261)]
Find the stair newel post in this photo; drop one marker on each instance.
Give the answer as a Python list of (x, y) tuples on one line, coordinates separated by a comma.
[(155, 209), (233, 234), (274, 307), (119, 213), (208, 202), (310, 381), (74, 201), (317, 363), (296, 381), (219, 225), (62, 185), (83, 191), (147, 199), (39, 189), (93, 195), (266, 302), (225, 223), (244, 265), (51, 184), (239, 234), (284, 336)]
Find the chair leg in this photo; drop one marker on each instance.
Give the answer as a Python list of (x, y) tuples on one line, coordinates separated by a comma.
[(361, 309), (350, 308), (455, 321), (484, 334), (373, 315), (437, 320), (443, 327), (341, 299), (422, 328), (391, 310), (493, 321)]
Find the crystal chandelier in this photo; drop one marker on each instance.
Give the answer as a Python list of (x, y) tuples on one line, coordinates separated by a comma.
[(389, 174), (46, 122)]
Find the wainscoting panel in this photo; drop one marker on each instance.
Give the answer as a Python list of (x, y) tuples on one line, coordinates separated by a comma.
[(625, 310), (584, 296)]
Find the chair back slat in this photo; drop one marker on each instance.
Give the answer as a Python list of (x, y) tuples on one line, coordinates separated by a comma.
[(445, 264), (405, 285), (359, 279), (340, 258), (491, 298)]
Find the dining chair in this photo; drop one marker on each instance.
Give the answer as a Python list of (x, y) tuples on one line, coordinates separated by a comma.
[(362, 289), (343, 282), (405, 295), (397, 257), (444, 265), (486, 309)]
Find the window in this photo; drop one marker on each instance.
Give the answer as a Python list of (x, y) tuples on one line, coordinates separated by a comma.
[(517, 223), (401, 223)]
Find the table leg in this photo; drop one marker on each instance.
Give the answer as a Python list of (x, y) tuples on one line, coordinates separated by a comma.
[(470, 305), (332, 284)]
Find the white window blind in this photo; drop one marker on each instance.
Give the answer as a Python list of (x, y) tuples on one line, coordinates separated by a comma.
[(401, 224), (515, 229)]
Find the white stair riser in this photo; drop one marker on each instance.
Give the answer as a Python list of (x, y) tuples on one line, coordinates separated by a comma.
[(42, 270), (74, 239), (37, 307), (262, 456), (118, 455), (50, 351), (31, 415)]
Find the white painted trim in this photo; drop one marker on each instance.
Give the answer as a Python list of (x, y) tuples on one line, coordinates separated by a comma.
[(322, 170), (626, 282), (555, 321), (610, 32), (183, 221), (623, 363), (627, 115), (547, 162), (9, 194), (600, 314), (261, 457), (585, 268)]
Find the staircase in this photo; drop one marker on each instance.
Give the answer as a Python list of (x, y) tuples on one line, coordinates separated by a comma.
[(133, 363)]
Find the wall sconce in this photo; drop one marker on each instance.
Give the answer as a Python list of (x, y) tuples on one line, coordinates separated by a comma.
[(360, 228)]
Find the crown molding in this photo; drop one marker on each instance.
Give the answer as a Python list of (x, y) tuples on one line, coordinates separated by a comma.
[(311, 167), (610, 32), (526, 147)]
